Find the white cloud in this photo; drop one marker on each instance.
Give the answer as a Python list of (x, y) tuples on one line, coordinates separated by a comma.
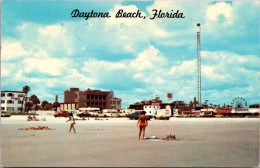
[(51, 31), (51, 66), (5, 70), (186, 68), (218, 9), (149, 59), (210, 73), (18, 75), (41, 54), (12, 50), (93, 65), (71, 78)]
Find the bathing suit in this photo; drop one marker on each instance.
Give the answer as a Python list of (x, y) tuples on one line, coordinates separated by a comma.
[(72, 120), (142, 125)]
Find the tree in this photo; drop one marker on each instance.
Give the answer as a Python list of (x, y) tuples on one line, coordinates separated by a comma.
[(56, 105), (35, 101), (28, 105), (46, 105), (26, 89)]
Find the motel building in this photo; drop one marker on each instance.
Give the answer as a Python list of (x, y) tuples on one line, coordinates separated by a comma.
[(154, 104), (11, 101)]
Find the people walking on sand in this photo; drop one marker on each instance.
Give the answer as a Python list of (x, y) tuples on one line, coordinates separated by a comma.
[(72, 123), (143, 123)]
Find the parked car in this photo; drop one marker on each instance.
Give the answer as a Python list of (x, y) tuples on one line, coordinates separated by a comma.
[(110, 113), (136, 115), (88, 112), (63, 113), (219, 115), (5, 114)]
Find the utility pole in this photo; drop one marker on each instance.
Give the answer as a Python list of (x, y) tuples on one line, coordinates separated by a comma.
[(199, 66)]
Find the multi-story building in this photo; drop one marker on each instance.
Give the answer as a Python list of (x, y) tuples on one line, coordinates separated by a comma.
[(116, 103), (90, 98), (12, 101)]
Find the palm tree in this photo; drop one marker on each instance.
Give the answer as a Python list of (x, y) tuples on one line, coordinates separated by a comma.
[(26, 89), (35, 101)]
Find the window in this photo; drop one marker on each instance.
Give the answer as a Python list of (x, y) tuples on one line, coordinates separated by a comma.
[(88, 103), (100, 97), (104, 97), (92, 103), (10, 101), (10, 108), (20, 102), (96, 103), (92, 96), (20, 95), (2, 101), (2, 94), (118, 102), (104, 104), (3, 108), (19, 108), (10, 95), (88, 96), (96, 97)]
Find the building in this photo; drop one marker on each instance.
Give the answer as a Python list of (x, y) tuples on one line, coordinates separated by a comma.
[(136, 106), (12, 101), (116, 103), (75, 99), (152, 105)]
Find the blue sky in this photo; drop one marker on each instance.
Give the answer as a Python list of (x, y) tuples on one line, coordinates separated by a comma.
[(45, 48)]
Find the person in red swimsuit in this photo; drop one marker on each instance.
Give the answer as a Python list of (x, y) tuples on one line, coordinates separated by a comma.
[(143, 123)]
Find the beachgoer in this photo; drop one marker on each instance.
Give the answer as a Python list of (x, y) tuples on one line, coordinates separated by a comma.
[(34, 118), (143, 123), (29, 117), (72, 122)]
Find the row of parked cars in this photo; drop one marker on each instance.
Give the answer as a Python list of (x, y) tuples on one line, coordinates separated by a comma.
[(96, 112), (90, 112)]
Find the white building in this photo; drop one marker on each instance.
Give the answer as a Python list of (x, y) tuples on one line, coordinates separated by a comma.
[(11, 101), (151, 109)]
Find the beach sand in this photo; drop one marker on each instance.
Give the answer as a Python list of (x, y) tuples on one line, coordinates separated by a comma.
[(202, 142)]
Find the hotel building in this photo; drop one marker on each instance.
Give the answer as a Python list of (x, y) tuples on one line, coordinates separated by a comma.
[(12, 101), (75, 99)]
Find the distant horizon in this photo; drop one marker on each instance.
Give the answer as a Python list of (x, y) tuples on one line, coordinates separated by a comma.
[(46, 48)]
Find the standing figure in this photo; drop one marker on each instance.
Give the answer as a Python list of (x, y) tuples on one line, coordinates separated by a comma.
[(143, 123), (72, 122)]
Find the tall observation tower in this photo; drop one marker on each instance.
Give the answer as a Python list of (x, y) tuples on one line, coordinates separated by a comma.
[(199, 70)]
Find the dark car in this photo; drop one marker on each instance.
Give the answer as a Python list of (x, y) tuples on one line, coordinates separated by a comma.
[(84, 114), (5, 114), (136, 115)]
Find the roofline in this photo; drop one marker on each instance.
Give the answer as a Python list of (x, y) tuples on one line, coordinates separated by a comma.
[(12, 91)]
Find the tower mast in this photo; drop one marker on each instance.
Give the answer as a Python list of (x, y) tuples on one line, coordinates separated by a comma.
[(199, 66)]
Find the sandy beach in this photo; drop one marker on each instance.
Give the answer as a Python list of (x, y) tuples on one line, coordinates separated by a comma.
[(202, 142)]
